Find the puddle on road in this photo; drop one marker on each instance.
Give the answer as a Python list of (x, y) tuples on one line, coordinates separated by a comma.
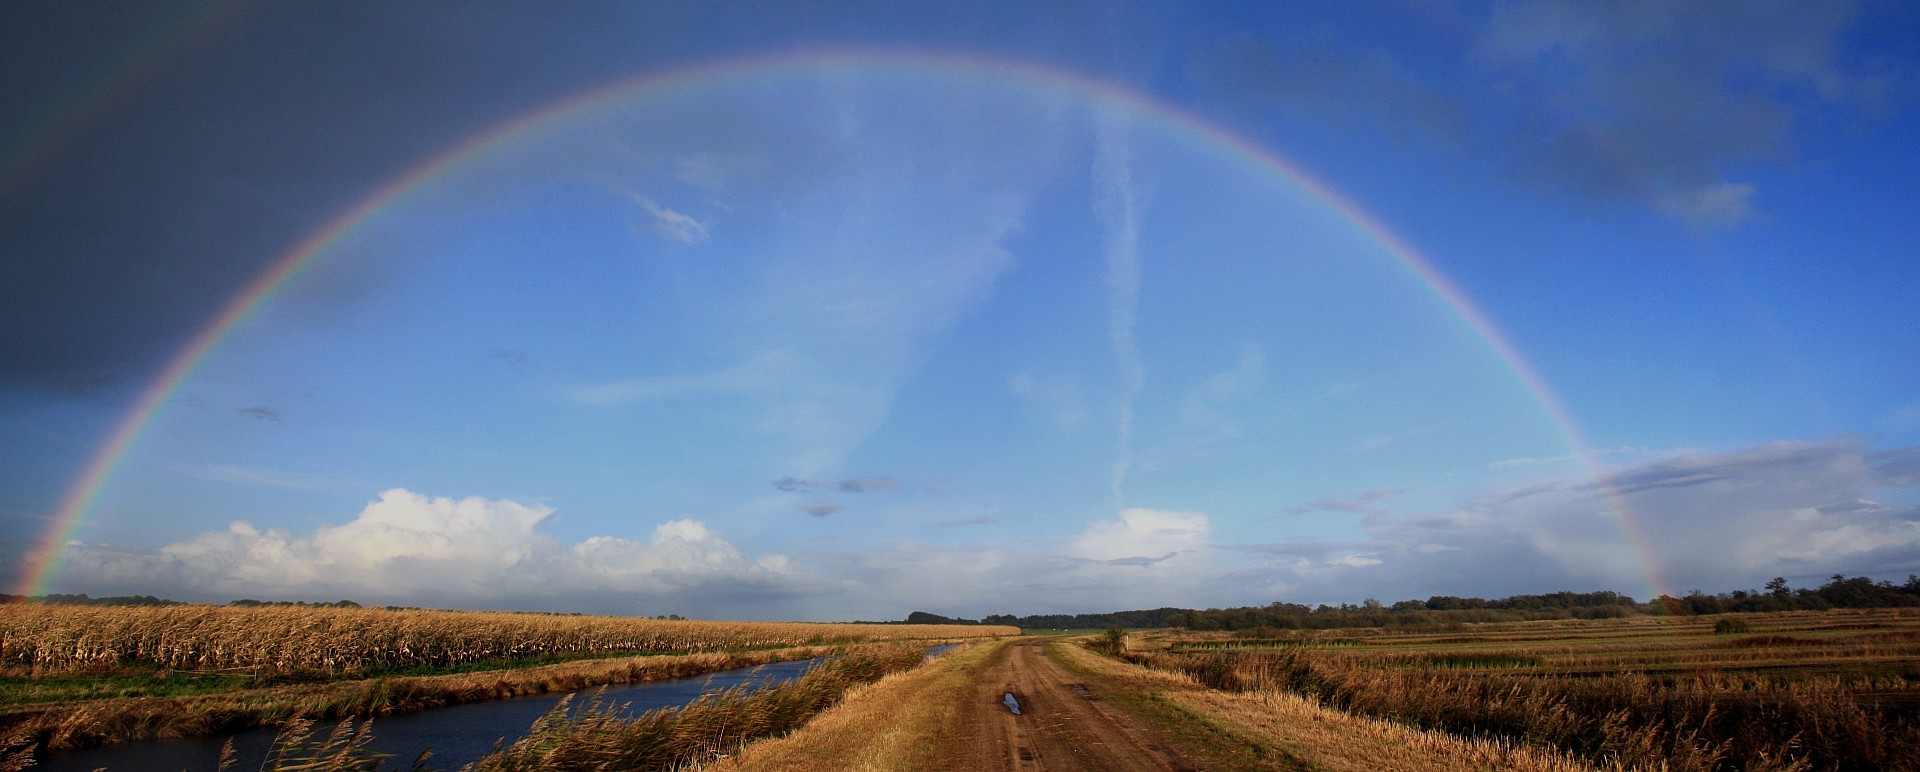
[(1011, 703)]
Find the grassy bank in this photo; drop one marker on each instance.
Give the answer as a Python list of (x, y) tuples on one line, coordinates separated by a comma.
[(597, 737), (73, 676), (73, 725), (895, 723)]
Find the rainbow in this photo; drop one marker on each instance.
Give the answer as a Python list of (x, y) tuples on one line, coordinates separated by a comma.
[(43, 563)]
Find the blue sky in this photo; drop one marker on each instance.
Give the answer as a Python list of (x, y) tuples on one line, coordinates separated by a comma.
[(985, 309)]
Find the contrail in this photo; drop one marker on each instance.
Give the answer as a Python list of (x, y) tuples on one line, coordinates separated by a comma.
[(1115, 205)]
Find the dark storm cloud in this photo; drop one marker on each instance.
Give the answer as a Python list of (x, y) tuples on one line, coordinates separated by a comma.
[(1647, 101), (1314, 73), (155, 157), (149, 207)]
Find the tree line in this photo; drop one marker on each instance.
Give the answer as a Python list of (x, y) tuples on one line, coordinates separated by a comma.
[(1838, 592)]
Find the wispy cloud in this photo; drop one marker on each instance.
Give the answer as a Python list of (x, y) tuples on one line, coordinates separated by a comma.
[(1058, 396), (822, 508), (1379, 441), (967, 521), (1366, 503), (259, 477), (669, 224), (1590, 455), (863, 484), (1117, 206), (261, 413), (849, 485), (1135, 560), (1906, 418), (714, 173), (1709, 520), (762, 373), (1210, 416), (1141, 558)]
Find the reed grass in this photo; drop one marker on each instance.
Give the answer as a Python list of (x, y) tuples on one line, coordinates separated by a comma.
[(107, 721), (1675, 699), (599, 737)]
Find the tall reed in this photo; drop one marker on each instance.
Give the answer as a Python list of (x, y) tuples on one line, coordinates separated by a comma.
[(74, 725), (1704, 721), (598, 737)]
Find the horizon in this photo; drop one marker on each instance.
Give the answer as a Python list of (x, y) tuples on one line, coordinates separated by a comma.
[(813, 313), (1737, 595)]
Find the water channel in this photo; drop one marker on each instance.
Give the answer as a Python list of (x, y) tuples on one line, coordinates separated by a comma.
[(456, 734)]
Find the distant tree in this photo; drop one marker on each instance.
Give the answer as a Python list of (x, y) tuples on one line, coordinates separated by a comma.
[(1111, 642), (924, 618)]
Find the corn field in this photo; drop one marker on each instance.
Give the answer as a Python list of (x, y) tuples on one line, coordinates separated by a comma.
[(47, 640)]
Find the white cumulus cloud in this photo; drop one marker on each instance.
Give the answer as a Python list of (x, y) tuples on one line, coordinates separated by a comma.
[(1142, 558), (1714, 521), (410, 548), (1140, 533)]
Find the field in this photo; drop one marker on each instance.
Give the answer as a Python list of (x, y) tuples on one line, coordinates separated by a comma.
[(277, 642), (75, 675), (1833, 690), (1804, 690)]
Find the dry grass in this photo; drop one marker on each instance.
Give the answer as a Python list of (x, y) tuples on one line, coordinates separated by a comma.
[(894, 723), (298, 749), (1845, 644), (97, 722), (1796, 691), (44, 640), (599, 738), (1319, 737), (331, 662)]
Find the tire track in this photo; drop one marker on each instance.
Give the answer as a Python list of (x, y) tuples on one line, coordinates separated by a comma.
[(1062, 724)]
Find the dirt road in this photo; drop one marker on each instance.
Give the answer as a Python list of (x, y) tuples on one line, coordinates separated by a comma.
[(1063, 723), (951, 716)]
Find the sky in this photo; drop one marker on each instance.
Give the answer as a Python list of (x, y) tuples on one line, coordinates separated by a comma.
[(837, 311)]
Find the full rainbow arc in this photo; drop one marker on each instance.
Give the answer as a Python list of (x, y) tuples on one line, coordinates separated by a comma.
[(43, 563)]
